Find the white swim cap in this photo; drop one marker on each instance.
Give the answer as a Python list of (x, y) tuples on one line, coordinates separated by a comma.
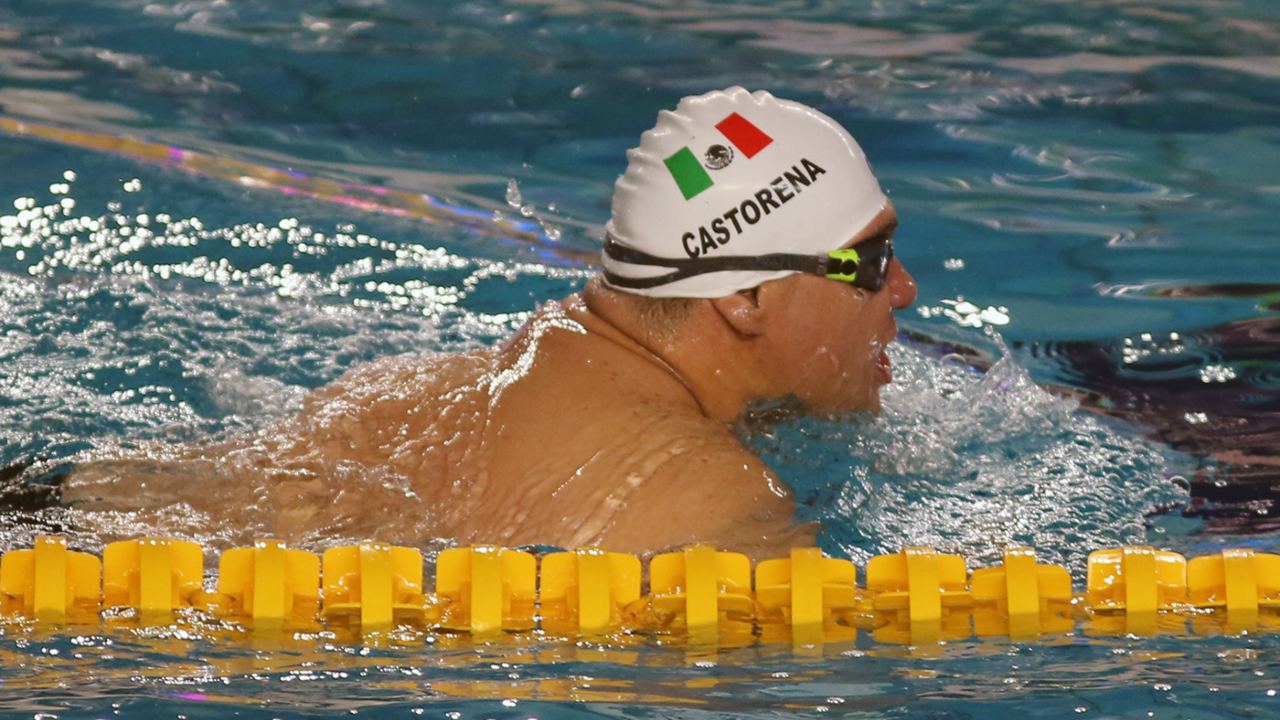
[(734, 174)]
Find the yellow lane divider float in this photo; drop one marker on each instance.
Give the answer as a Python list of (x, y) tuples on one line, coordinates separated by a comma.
[(917, 596)]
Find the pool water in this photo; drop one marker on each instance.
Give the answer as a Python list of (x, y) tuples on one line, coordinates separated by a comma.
[(212, 207)]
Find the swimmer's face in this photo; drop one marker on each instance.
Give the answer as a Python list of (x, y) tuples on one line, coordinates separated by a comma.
[(830, 338)]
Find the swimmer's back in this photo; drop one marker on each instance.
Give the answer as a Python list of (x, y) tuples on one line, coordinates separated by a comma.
[(557, 437)]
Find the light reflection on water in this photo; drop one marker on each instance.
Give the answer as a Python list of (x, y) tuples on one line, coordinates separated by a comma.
[(184, 667), (132, 332), (1042, 157)]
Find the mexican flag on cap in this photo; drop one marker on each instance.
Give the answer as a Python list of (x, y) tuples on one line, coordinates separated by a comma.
[(687, 170)]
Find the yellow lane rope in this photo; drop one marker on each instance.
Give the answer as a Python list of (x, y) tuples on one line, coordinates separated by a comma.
[(916, 596)]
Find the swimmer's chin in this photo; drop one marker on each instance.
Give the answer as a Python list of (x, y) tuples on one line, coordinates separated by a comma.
[(873, 405), (865, 406)]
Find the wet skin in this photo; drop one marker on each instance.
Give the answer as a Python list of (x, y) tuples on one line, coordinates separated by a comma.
[(582, 429)]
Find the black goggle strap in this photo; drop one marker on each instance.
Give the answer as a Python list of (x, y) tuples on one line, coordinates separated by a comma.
[(840, 265)]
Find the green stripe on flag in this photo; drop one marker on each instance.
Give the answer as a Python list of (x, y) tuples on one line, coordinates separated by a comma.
[(688, 172)]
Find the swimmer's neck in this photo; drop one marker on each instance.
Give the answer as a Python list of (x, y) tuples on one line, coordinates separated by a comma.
[(695, 359)]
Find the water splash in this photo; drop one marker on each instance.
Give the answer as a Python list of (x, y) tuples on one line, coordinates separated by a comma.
[(971, 463), (515, 200)]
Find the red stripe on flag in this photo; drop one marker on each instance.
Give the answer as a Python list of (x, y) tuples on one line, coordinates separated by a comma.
[(748, 138)]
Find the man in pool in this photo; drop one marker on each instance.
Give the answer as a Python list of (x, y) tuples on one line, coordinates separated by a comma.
[(748, 259)]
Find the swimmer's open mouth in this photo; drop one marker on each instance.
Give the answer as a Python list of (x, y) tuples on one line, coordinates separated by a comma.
[(884, 368)]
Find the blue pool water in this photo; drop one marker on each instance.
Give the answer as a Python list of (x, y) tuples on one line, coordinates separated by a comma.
[(1088, 193)]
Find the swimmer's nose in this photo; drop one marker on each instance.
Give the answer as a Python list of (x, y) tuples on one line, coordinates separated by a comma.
[(902, 287)]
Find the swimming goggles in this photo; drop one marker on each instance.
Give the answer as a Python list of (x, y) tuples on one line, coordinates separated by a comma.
[(865, 265)]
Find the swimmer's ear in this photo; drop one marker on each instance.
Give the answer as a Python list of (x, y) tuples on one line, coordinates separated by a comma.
[(742, 312)]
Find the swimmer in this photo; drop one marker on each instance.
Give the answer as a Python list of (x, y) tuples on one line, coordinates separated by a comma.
[(749, 259)]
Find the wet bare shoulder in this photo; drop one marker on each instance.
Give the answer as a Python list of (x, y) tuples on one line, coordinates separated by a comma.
[(708, 488), (371, 413), (401, 377)]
